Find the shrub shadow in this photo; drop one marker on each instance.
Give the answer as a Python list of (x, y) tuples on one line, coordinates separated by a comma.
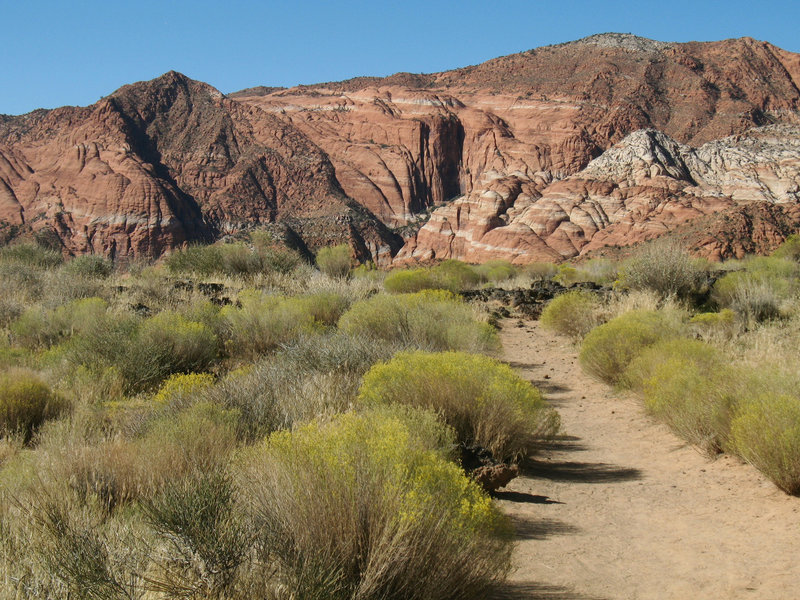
[(541, 529), (524, 497), (580, 472), (535, 591)]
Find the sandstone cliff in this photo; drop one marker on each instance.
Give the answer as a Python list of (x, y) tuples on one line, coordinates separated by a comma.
[(542, 155)]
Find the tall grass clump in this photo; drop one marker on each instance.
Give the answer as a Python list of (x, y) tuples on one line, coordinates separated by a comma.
[(766, 433), (431, 319), (485, 402), (25, 403), (335, 261), (370, 506), (573, 314), (757, 294), (608, 349), (664, 268)]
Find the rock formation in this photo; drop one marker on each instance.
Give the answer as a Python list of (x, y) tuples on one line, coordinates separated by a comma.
[(543, 155)]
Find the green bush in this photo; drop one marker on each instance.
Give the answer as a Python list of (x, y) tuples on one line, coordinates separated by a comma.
[(664, 268), (407, 281), (40, 328), (146, 352), (235, 259), (540, 271), (25, 403), (369, 506), (766, 433), (496, 271), (90, 265), (165, 344), (455, 275), (573, 314), (790, 249), (197, 259), (326, 308), (689, 385), (431, 319), (608, 349), (335, 261), (265, 322), (31, 254), (483, 400)]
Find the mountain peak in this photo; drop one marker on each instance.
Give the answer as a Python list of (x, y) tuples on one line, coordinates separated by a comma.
[(627, 41)]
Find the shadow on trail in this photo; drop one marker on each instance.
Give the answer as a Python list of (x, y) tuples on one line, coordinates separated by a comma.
[(541, 529), (536, 591), (564, 443), (523, 497), (580, 472)]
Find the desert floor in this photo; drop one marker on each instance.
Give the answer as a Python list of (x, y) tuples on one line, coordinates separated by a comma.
[(619, 507)]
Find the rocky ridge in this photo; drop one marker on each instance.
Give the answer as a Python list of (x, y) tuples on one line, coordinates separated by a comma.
[(547, 154)]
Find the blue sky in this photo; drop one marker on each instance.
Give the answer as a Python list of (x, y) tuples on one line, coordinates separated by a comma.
[(74, 52)]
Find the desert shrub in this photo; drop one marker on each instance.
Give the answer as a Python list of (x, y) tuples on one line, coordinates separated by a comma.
[(314, 377), (324, 307), (144, 352), (454, 275), (755, 296), (335, 261), (368, 271), (709, 324), (789, 249), (30, 254), (183, 386), (264, 322), (40, 328), (608, 349), (496, 270), (484, 401), (566, 275), (168, 343), (198, 259), (367, 506), (431, 319), (406, 281), (73, 551), (573, 314), (25, 402), (664, 268), (89, 265), (335, 351), (209, 540), (766, 433), (540, 271), (689, 385)]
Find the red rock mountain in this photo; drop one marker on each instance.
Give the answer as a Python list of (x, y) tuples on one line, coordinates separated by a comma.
[(542, 155)]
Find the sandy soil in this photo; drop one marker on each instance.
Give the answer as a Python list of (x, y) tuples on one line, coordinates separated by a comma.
[(619, 507)]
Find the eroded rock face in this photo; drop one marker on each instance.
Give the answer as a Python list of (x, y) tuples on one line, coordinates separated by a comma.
[(172, 160), (645, 186), (541, 155)]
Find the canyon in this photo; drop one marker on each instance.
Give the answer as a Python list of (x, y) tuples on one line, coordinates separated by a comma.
[(558, 152)]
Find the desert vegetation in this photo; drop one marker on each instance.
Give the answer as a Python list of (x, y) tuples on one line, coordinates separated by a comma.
[(236, 422), (710, 349)]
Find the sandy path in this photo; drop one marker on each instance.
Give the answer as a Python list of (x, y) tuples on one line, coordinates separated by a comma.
[(621, 508)]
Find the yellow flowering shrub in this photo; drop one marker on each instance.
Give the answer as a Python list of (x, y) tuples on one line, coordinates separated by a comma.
[(366, 503), (484, 400)]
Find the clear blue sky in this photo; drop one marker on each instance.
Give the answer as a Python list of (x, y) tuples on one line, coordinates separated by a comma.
[(57, 52)]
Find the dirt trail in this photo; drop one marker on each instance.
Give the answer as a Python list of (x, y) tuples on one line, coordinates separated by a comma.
[(621, 508)]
